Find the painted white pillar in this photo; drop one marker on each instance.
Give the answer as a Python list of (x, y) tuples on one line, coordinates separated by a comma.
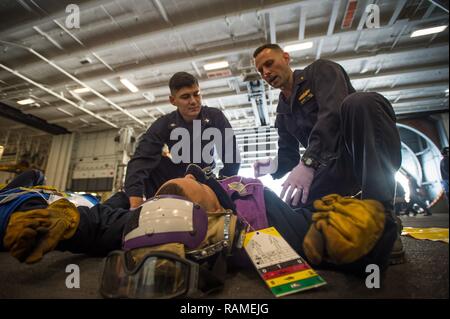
[(58, 163)]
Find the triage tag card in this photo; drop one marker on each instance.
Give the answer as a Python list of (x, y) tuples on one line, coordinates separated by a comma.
[(283, 270)]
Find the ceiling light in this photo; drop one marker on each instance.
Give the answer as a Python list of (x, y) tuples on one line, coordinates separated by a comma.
[(25, 102), (130, 86), (81, 90), (427, 31), (298, 46), (215, 65), (149, 96)]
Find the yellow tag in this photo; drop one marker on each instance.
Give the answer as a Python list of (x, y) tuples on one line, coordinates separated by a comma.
[(266, 247), (282, 269)]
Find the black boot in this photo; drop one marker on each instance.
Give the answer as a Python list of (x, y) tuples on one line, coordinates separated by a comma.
[(398, 251)]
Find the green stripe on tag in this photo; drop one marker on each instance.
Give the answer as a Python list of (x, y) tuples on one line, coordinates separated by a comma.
[(296, 286)]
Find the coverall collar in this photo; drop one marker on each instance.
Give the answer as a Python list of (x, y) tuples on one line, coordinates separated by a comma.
[(180, 122), (285, 105)]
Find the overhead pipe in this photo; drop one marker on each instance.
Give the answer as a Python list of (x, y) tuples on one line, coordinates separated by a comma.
[(220, 53), (57, 95), (343, 59), (146, 34), (77, 80)]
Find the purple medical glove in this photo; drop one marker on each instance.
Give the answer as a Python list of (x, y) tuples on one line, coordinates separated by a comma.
[(299, 180)]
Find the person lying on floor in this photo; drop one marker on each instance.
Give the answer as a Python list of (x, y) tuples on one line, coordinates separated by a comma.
[(193, 226)]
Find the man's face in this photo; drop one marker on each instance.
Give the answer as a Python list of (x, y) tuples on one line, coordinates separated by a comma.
[(197, 192), (273, 65), (188, 101)]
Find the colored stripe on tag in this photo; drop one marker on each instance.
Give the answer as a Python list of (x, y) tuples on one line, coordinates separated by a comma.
[(284, 271), (291, 278), (297, 286), (285, 264)]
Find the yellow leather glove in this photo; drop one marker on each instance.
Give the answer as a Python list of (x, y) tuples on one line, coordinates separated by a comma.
[(344, 229), (33, 233)]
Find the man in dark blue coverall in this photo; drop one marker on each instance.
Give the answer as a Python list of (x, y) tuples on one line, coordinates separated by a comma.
[(351, 139), (148, 169)]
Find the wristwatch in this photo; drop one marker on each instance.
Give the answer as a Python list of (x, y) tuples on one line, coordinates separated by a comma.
[(310, 162)]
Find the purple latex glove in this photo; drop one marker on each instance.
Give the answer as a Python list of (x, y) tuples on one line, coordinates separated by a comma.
[(299, 180)]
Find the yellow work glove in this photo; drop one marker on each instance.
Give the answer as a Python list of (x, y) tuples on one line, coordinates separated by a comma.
[(344, 229), (33, 233)]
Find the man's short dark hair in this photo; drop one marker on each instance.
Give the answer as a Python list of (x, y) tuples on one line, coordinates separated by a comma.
[(272, 46), (171, 189), (180, 80)]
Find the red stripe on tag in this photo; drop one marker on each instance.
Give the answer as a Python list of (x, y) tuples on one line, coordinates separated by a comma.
[(285, 271)]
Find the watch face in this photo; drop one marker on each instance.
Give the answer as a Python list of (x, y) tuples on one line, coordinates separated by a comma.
[(308, 162)]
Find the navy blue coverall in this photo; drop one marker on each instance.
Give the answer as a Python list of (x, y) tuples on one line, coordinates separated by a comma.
[(148, 169), (352, 134)]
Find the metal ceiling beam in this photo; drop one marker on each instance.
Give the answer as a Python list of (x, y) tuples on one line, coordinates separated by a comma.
[(400, 108), (30, 120), (401, 71), (385, 56), (333, 17), (440, 4), (331, 25), (248, 48), (302, 24), (5, 34), (104, 43), (57, 95), (57, 67), (146, 106), (380, 55), (319, 49), (272, 28), (232, 94), (429, 11), (398, 9), (162, 11), (88, 87), (49, 38), (419, 87)]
